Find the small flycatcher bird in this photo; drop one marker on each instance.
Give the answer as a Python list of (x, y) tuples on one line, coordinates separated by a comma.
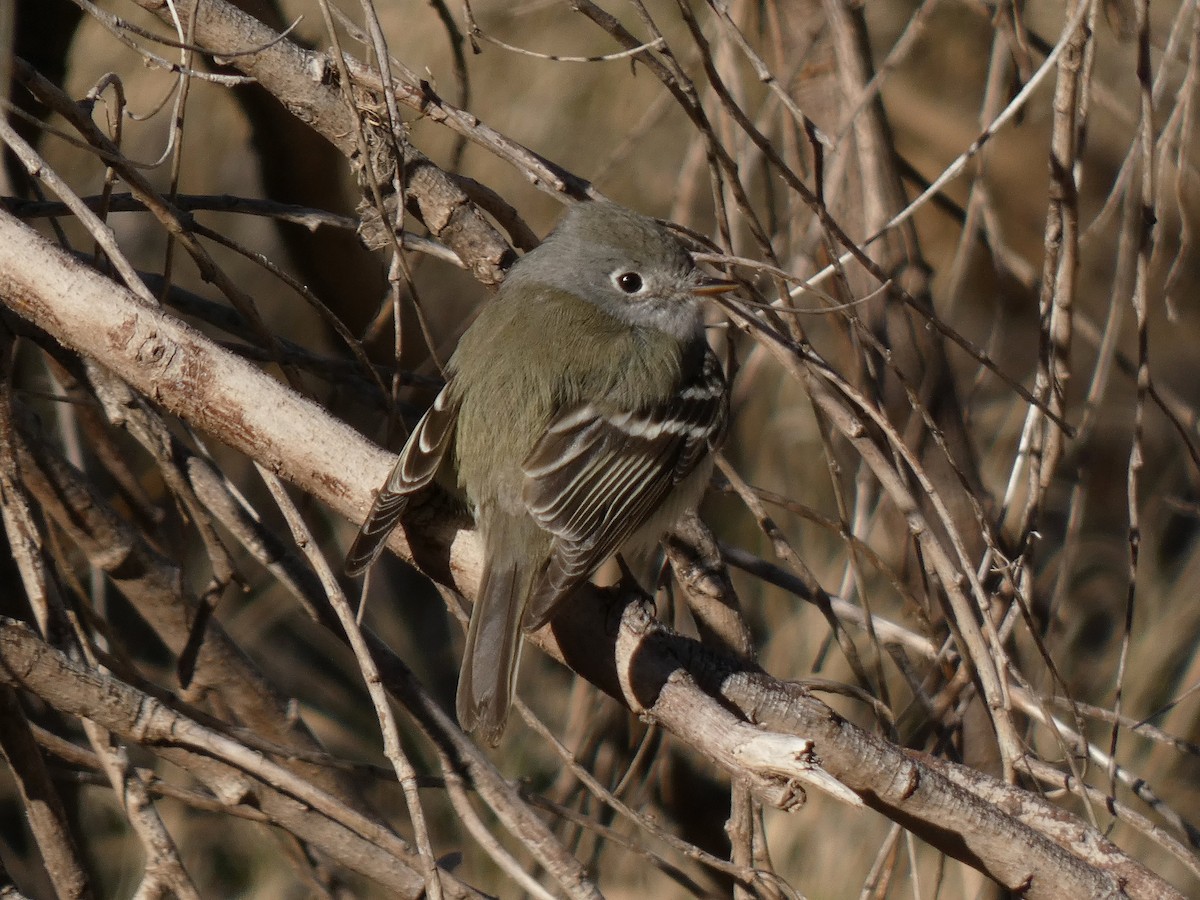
[(580, 415)]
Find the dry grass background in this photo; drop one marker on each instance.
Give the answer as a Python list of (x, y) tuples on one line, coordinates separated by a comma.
[(611, 122)]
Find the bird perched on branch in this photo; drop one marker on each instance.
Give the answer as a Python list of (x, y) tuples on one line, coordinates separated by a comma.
[(580, 416)]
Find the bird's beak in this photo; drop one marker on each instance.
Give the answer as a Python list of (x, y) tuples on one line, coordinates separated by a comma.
[(708, 287)]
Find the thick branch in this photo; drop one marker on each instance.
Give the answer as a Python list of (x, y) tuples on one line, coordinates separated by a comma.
[(233, 772), (306, 82), (661, 675)]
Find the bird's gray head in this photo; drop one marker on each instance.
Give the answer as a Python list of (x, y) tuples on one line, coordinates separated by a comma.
[(625, 263)]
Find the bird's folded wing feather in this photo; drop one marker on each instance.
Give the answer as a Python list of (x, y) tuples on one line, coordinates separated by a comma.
[(599, 473), (418, 464)]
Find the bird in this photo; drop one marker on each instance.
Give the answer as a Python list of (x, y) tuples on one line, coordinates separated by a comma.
[(579, 418)]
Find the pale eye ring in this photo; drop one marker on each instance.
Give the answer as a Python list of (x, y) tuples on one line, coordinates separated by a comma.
[(628, 282)]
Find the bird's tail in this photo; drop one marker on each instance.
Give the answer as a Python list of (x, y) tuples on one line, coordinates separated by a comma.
[(489, 667)]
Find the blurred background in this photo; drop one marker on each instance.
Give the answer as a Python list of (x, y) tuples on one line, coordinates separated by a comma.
[(974, 255)]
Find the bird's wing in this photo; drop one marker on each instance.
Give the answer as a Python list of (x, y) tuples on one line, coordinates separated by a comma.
[(418, 464), (598, 474)]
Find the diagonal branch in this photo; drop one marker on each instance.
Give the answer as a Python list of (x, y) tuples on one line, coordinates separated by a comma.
[(670, 680)]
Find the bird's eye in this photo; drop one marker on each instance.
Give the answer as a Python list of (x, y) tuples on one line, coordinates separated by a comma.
[(629, 282)]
